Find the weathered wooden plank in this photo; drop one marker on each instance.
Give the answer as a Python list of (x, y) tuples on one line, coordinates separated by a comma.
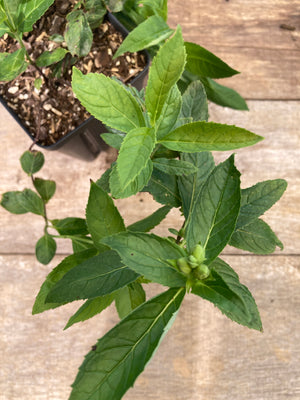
[(276, 157), (239, 23), (204, 356), (248, 36)]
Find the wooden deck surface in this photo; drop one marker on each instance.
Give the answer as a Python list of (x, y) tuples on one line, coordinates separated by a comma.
[(204, 356)]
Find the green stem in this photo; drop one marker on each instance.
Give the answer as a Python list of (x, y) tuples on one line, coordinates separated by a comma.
[(20, 40), (73, 237), (45, 211)]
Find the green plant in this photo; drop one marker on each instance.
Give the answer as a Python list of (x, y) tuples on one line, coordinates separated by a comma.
[(165, 145)]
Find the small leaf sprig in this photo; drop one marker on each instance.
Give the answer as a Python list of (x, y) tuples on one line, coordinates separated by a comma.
[(156, 122), (35, 202), (19, 16)]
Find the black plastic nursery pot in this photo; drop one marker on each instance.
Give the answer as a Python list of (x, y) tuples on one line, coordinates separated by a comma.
[(85, 141)]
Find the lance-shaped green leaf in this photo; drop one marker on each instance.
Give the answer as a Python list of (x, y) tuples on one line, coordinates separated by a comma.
[(45, 188), (147, 254), (223, 95), (78, 34), (95, 11), (128, 298), (70, 226), (174, 167), (97, 276), (202, 62), (81, 242), (3, 29), (51, 57), (190, 186), (150, 222), (166, 69), (11, 202), (122, 354), (102, 217), (30, 11), (33, 203), (119, 192), (12, 65), (169, 114), (32, 161), (194, 103), (114, 5), (45, 249), (208, 136), (225, 291), (257, 199), (149, 33), (164, 188), (91, 308), (10, 8), (56, 275), (113, 139), (158, 7), (103, 181), (107, 101), (134, 154), (2, 14), (214, 215), (256, 237)]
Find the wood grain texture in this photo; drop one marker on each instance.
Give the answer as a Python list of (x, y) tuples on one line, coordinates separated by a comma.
[(248, 36), (204, 356), (276, 157)]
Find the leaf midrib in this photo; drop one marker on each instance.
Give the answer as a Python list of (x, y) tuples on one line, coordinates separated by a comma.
[(116, 109), (100, 275), (217, 209), (136, 344)]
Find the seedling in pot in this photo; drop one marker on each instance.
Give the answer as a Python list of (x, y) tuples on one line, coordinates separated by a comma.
[(19, 16), (42, 97)]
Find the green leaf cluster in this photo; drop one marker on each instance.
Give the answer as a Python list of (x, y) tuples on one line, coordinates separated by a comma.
[(163, 121), (147, 21), (120, 259)]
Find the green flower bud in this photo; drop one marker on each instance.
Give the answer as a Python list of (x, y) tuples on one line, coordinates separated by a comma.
[(201, 272), (183, 265), (192, 261), (199, 253)]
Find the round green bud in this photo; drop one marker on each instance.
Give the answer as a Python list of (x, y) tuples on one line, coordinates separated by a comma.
[(192, 259), (202, 271), (199, 253), (193, 263), (183, 265)]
